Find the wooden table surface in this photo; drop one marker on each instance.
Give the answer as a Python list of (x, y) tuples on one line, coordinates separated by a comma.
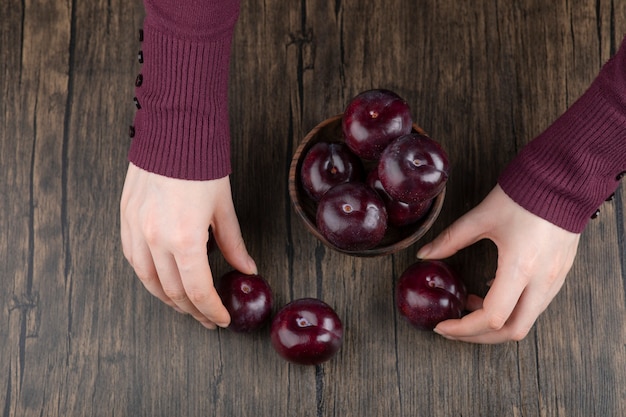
[(81, 337)]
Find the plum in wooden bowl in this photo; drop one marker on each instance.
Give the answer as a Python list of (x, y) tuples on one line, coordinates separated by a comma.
[(370, 203)]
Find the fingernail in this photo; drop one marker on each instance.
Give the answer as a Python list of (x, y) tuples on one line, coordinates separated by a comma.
[(442, 334), (252, 266), (424, 251)]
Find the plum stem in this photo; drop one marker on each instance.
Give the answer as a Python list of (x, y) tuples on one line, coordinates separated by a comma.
[(246, 288), (302, 322)]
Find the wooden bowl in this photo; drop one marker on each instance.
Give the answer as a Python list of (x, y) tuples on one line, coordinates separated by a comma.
[(395, 239)]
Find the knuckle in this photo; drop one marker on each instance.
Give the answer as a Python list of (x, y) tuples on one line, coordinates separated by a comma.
[(527, 270), (496, 321), (188, 243), (552, 278), (554, 275), (152, 233), (183, 235), (551, 274), (182, 240), (144, 273), (520, 334), (177, 295), (198, 297)]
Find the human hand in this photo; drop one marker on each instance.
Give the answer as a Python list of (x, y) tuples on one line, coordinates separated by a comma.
[(534, 256), (165, 229)]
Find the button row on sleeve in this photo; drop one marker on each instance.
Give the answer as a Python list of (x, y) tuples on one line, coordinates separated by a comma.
[(138, 83), (612, 196)]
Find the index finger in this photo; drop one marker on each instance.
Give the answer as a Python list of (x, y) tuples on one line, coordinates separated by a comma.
[(197, 280), (465, 231)]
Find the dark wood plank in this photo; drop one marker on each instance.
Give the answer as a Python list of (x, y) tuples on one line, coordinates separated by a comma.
[(101, 294), (36, 71), (82, 337)]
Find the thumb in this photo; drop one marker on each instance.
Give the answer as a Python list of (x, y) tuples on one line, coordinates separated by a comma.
[(228, 237), (460, 234)]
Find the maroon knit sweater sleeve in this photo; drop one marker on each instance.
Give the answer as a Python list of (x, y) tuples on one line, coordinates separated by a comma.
[(181, 127), (570, 169)]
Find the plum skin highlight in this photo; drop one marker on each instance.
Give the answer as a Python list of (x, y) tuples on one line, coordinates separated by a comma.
[(247, 298), (429, 292), (306, 331)]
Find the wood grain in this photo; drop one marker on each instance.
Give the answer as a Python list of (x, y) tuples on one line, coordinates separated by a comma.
[(81, 337)]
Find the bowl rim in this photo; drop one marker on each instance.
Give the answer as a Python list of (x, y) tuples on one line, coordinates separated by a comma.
[(425, 223)]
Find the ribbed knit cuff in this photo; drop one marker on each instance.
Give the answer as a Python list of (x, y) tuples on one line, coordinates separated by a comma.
[(182, 124), (568, 171)]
